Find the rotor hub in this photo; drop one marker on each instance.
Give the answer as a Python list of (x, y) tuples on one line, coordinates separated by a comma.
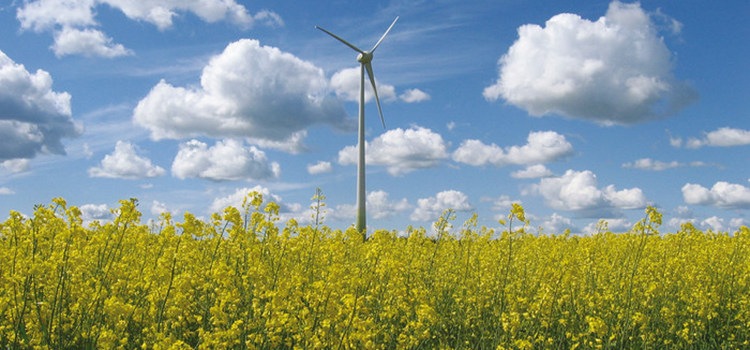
[(365, 57)]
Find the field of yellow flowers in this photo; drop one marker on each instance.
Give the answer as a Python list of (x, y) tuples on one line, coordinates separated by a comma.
[(244, 280)]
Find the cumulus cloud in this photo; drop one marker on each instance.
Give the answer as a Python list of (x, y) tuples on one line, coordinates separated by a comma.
[(33, 118), (541, 147), (125, 163), (722, 137), (87, 42), (616, 70), (414, 96), (718, 224), (252, 91), (580, 191), (228, 160), (319, 168), (401, 151), (286, 210), (617, 225), (532, 172), (722, 194), (557, 224), (95, 212), (44, 15), (714, 223), (680, 216), (736, 223), (158, 208), (430, 209), (345, 83), (500, 205), (379, 206), (72, 20)]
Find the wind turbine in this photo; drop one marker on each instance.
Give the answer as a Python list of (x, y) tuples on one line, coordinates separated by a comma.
[(365, 60)]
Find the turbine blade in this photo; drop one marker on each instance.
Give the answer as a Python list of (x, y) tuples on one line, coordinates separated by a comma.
[(375, 90), (384, 34), (341, 40)]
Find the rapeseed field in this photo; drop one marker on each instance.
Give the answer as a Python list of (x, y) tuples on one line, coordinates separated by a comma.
[(244, 280)]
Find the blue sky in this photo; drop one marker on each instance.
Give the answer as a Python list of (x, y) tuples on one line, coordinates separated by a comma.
[(580, 111)]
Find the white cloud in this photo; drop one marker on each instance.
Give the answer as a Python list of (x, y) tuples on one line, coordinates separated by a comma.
[(414, 96), (87, 42), (158, 208), (17, 165), (532, 172), (500, 205), (228, 160), (33, 118), (401, 151), (378, 204), (319, 168), (46, 14), (722, 137), (722, 194), (557, 224), (657, 165), (680, 216), (345, 83), (728, 137), (616, 70), (343, 212), (6, 191), (286, 210), (252, 91), (683, 212), (650, 164), (294, 144), (616, 225), (430, 209), (124, 163), (718, 224), (541, 147), (161, 13), (676, 223), (380, 207), (736, 223), (72, 20), (675, 141), (92, 212), (701, 164), (714, 223), (632, 198), (579, 191), (269, 18)]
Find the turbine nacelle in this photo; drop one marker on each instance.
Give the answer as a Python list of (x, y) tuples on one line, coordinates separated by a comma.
[(365, 57)]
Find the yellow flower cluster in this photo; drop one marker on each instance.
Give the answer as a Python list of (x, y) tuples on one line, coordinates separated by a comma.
[(241, 280)]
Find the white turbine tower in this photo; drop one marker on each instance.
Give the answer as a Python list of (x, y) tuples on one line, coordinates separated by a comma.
[(365, 60)]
